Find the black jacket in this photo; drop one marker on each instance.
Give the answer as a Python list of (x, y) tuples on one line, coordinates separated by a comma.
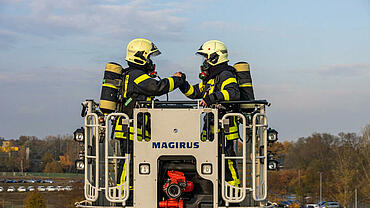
[(219, 86), (138, 84)]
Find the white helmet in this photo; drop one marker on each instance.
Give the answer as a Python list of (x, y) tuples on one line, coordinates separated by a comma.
[(140, 50), (214, 51)]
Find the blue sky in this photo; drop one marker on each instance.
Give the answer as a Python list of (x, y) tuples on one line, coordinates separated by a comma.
[(310, 59)]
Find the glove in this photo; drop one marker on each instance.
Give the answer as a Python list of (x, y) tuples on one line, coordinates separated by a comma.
[(209, 99), (183, 76), (183, 83)]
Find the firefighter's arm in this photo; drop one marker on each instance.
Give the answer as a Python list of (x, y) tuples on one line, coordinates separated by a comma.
[(152, 87), (192, 91), (229, 89)]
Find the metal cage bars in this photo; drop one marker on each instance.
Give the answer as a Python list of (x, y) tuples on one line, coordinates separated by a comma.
[(91, 131), (259, 127), (230, 193), (115, 193), (233, 194)]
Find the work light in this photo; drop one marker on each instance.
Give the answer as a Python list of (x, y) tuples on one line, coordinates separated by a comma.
[(272, 135), (79, 135), (80, 164), (272, 165)]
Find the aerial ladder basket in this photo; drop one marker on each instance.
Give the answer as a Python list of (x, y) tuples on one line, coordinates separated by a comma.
[(116, 193), (258, 127), (91, 157), (230, 193), (259, 154)]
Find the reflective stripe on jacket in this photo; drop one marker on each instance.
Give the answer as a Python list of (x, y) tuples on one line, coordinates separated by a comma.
[(139, 85), (226, 88)]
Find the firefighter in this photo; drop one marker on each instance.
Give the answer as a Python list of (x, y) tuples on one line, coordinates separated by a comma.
[(218, 84), (139, 85)]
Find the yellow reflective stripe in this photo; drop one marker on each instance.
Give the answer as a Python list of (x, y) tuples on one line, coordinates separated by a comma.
[(109, 85), (235, 181), (172, 84), (140, 134), (226, 94), (118, 126), (201, 86), (233, 132), (190, 91), (232, 136), (228, 81), (141, 78), (123, 175), (233, 129), (211, 81), (118, 131), (246, 85), (118, 135), (204, 136), (126, 86), (131, 133)]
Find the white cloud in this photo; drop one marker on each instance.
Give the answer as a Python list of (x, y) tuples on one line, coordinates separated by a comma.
[(345, 70), (106, 20), (230, 26)]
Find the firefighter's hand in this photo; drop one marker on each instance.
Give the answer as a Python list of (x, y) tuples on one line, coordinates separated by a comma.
[(177, 74), (203, 103), (206, 101)]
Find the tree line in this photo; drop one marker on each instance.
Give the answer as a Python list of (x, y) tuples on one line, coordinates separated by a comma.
[(342, 160), (53, 154)]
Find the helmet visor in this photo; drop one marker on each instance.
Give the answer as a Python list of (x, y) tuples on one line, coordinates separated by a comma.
[(203, 55), (155, 53)]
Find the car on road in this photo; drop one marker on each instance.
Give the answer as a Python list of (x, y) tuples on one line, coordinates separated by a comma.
[(330, 204), (59, 188), (311, 206), (30, 181), (30, 188), (68, 188), (1, 189), (21, 189), (2, 180), (48, 181), (41, 188), (10, 189), (10, 181), (50, 188)]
